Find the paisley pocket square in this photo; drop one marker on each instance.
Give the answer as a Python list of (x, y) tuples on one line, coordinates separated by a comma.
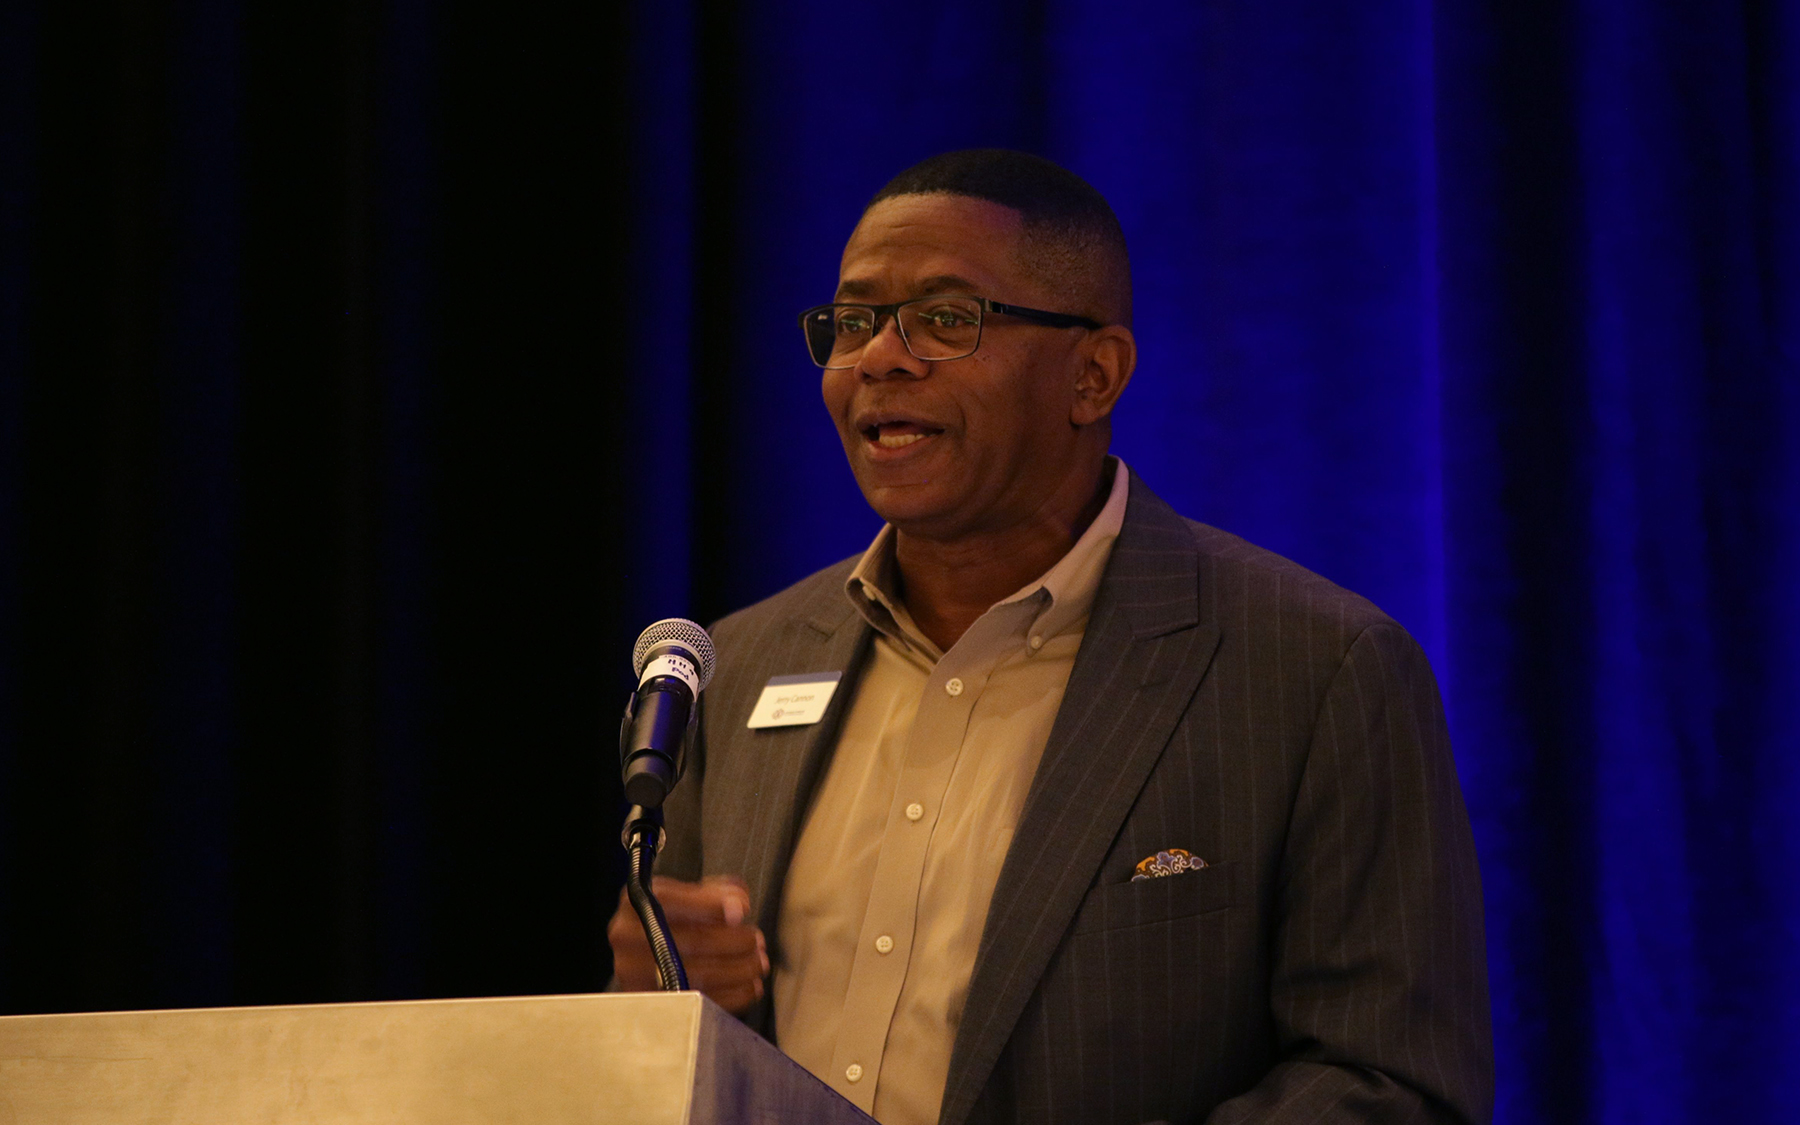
[(1172, 862)]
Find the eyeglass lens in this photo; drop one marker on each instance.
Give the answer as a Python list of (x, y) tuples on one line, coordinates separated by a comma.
[(934, 328)]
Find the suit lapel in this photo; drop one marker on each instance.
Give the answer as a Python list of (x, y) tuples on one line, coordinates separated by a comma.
[(781, 766), (1144, 654)]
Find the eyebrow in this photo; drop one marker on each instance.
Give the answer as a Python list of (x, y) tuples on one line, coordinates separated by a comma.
[(942, 283)]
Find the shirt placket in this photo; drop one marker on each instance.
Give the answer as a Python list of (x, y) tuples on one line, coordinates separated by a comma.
[(885, 942)]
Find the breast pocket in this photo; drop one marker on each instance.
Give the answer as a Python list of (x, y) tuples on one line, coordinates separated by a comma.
[(1121, 905)]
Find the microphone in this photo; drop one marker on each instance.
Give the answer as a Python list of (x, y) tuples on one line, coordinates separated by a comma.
[(673, 660)]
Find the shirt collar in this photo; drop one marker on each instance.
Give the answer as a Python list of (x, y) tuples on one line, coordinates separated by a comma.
[(1065, 593)]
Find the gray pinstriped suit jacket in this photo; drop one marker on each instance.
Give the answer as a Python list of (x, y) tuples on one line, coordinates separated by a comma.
[(1327, 966)]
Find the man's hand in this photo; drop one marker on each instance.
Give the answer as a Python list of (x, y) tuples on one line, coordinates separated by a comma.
[(724, 954)]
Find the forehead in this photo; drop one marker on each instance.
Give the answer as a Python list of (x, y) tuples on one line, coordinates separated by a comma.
[(908, 240)]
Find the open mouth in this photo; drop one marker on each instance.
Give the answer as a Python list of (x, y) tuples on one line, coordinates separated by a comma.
[(897, 435)]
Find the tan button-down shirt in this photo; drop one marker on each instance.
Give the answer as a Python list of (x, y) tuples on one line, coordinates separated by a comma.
[(896, 863)]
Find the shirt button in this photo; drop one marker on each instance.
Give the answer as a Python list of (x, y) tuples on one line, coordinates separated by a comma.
[(1037, 643), (914, 811), (884, 944), (853, 1072), (954, 687)]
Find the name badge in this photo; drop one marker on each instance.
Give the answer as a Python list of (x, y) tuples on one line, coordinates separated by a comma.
[(793, 701)]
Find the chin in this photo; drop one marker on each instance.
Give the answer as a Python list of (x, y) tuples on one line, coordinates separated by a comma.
[(910, 508)]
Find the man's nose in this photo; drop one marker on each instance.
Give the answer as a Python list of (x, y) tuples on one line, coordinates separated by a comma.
[(886, 355)]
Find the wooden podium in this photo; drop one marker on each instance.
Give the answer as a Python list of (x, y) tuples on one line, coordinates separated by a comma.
[(625, 1058)]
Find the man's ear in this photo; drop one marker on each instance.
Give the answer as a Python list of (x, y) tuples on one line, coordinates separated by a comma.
[(1111, 356)]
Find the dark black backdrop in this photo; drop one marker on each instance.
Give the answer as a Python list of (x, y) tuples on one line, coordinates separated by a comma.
[(310, 667)]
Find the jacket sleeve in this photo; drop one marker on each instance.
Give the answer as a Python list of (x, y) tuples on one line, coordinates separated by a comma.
[(1378, 983)]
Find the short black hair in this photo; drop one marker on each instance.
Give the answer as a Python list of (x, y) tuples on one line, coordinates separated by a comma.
[(1074, 242)]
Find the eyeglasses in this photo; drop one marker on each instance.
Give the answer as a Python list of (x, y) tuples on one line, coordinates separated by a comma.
[(933, 328)]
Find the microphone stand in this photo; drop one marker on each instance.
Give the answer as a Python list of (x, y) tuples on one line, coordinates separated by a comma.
[(673, 659), (642, 836)]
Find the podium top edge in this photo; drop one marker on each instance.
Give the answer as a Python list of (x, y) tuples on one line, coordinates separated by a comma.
[(585, 997)]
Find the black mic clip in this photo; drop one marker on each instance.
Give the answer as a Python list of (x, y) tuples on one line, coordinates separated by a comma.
[(643, 827), (650, 770)]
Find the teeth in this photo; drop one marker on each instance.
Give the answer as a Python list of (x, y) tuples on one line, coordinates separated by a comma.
[(896, 441)]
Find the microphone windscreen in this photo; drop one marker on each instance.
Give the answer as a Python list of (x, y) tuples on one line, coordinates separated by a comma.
[(678, 631)]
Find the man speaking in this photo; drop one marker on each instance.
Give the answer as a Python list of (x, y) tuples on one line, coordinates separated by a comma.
[(1074, 810)]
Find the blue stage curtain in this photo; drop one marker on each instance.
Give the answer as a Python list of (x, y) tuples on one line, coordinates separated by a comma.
[(1488, 312)]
